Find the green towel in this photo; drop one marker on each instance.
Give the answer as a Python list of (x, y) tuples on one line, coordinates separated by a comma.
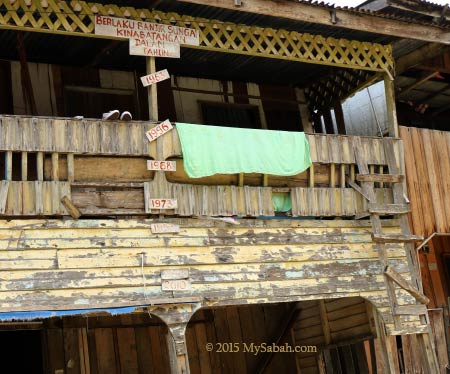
[(282, 202), (209, 150)]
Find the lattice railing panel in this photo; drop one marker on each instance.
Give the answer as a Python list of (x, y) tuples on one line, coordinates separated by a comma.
[(77, 17)]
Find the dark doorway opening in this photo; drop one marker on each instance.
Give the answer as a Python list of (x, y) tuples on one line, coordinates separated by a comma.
[(21, 351)]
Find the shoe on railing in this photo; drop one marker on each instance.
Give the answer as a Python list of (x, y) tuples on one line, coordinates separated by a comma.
[(126, 116)]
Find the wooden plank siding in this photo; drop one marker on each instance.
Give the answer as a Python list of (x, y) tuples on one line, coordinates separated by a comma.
[(108, 176), (54, 265), (427, 155)]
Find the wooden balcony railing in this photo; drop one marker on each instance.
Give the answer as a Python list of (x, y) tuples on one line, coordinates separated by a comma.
[(101, 167)]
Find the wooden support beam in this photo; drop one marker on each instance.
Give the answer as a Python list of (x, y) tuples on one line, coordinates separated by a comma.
[(241, 179), (27, 87), (390, 106), (70, 168), (24, 166), (386, 351), (40, 166), (74, 212), (311, 176), (332, 175), (403, 283), (176, 318), (428, 353), (304, 111), (328, 119), (329, 16), (386, 178), (375, 208), (152, 91), (410, 309), (4, 189), (325, 322), (176, 343), (357, 188), (339, 115), (418, 56), (395, 238), (425, 77), (8, 165), (55, 166)]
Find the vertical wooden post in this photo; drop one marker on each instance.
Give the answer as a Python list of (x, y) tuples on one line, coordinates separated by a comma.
[(311, 176), (304, 111), (179, 362), (339, 115), (8, 165), (428, 352), (328, 119), (332, 175), (177, 317), (40, 166), (342, 176), (24, 166), (390, 106), (385, 344), (152, 92), (55, 166), (70, 167)]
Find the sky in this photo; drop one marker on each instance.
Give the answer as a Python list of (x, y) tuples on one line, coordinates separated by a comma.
[(354, 3)]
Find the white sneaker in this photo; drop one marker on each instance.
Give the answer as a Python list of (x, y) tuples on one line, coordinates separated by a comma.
[(111, 115), (126, 116)]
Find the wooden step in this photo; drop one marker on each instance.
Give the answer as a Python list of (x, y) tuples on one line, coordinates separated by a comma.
[(410, 309), (389, 208), (387, 238), (385, 178)]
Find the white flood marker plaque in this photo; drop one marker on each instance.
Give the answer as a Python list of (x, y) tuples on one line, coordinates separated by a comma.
[(164, 228), (171, 274), (176, 285), (158, 130), (159, 76), (161, 165), (155, 32), (175, 280), (162, 203), (143, 47)]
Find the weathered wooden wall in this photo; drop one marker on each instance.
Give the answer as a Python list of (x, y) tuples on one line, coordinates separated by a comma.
[(427, 155), (57, 265)]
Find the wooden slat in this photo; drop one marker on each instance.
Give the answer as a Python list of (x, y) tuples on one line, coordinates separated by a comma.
[(385, 178), (390, 238), (397, 278), (389, 208), (410, 309)]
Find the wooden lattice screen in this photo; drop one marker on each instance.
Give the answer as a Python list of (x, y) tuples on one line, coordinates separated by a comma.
[(77, 17)]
